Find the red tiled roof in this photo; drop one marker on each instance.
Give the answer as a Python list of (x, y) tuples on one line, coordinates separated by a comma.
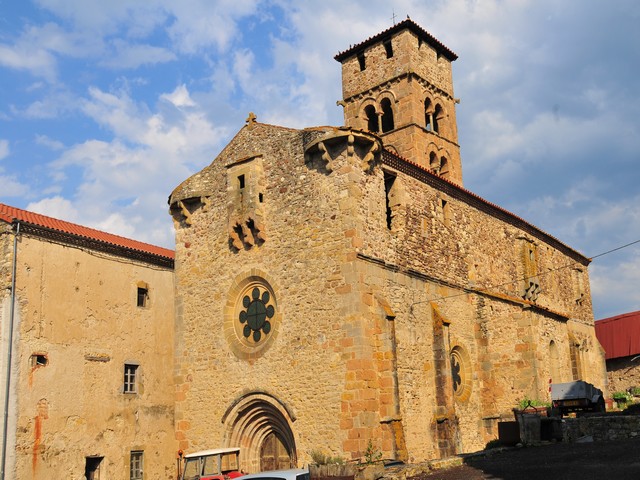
[(405, 24), (619, 335), (9, 214)]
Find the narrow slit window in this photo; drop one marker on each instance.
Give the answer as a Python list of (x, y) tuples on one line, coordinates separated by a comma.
[(240, 182), (388, 48), (389, 180), (361, 61), (143, 296)]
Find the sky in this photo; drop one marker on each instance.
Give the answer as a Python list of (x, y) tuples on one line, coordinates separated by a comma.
[(105, 107)]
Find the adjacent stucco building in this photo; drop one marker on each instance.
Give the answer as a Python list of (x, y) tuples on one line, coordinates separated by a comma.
[(91, 391), (338, 289)]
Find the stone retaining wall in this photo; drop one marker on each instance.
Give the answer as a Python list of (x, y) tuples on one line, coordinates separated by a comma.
[(601, 428)]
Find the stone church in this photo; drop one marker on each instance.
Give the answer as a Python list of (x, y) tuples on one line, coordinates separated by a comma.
[(338, 289)]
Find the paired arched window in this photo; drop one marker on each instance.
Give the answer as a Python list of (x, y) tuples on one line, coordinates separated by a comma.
[(439, 165), (433, 116), (380, 122)]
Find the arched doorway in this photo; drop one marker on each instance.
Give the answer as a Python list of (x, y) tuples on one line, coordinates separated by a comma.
[(261, 426)]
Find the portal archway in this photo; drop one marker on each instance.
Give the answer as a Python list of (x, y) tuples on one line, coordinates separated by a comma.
[(260, 425)]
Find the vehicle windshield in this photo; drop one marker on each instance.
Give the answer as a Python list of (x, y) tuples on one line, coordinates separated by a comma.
[(191, 469)]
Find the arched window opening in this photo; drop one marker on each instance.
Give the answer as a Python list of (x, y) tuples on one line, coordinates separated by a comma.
[(434, 164), (438, 116), (428, 123), (444, 168), (387, 115), (372, 118)]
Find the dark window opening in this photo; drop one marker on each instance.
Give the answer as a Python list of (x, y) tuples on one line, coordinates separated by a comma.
[(361, 61), (130, 378), (143, 295), (388, 48), (438, 114), (260, 197), (419, 42), (372, 118), (387, 115), (433, 163), (427, 115), (39, 360), (241, 181), (444, 168), (92, 468), (389, 180)]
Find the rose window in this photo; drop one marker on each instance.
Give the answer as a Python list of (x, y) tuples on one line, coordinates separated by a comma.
[(461, 376), (256, 315)]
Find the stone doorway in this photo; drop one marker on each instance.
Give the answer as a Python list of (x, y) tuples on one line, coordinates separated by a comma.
[(274, 454), (261, 425)]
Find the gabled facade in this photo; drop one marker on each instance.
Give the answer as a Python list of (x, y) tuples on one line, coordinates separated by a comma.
[(90, 393), (335, 291)]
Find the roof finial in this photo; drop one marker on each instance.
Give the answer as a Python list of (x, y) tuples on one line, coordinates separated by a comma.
[(393, 16)]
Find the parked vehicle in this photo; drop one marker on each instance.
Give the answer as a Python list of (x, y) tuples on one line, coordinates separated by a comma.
[(576, 396), (216, 464), (291, 474)]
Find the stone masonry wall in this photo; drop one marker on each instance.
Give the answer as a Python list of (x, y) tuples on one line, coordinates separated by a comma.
[(78, 326), (603, 428), (623, 373)]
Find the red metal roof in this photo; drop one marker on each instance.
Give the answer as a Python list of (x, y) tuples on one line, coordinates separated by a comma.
[(8, 214), (619, 335)]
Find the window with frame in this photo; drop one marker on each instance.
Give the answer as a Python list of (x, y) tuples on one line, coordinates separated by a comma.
[(136, 464), (143, 296), (130, 378)]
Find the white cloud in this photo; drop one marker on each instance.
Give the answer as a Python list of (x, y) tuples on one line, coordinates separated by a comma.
[(4, 148), (179, 97), (126, 181), (49, 143), (132, 56), (57, 207)]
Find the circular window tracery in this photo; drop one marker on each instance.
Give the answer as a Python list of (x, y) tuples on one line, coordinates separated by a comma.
[(460, 373), (251, 315), (257, 314)]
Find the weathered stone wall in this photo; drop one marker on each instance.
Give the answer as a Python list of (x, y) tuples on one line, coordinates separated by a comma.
[(623, 373), (367, 317), (78, 326), (601, 428)]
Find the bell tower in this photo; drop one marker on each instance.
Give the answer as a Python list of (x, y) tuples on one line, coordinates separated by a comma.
[(398, 84)]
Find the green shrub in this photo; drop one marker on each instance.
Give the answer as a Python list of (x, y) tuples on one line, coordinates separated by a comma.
[(621, 397), (319, 458), (528, 402), (635, 391), (372, 454)]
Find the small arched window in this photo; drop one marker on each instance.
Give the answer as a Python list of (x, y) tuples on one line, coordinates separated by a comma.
[(438, 116), (434, 164), (372, 118), (387, 115), (444, 167), (427, 115)]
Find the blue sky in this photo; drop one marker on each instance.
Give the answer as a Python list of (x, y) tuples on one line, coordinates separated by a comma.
[(105, 107)]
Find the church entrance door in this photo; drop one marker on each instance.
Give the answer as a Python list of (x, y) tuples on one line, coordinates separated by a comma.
[(274, 454)]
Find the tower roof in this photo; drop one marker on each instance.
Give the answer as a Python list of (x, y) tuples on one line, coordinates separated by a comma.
[(407, 24)]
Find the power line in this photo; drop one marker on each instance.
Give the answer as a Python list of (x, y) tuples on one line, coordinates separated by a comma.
[(491, 287)]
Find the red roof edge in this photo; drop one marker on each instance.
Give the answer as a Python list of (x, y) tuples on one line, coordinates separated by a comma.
[(8, 214)]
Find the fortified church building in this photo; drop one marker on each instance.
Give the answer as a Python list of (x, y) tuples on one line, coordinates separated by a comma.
[(338, 288)]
